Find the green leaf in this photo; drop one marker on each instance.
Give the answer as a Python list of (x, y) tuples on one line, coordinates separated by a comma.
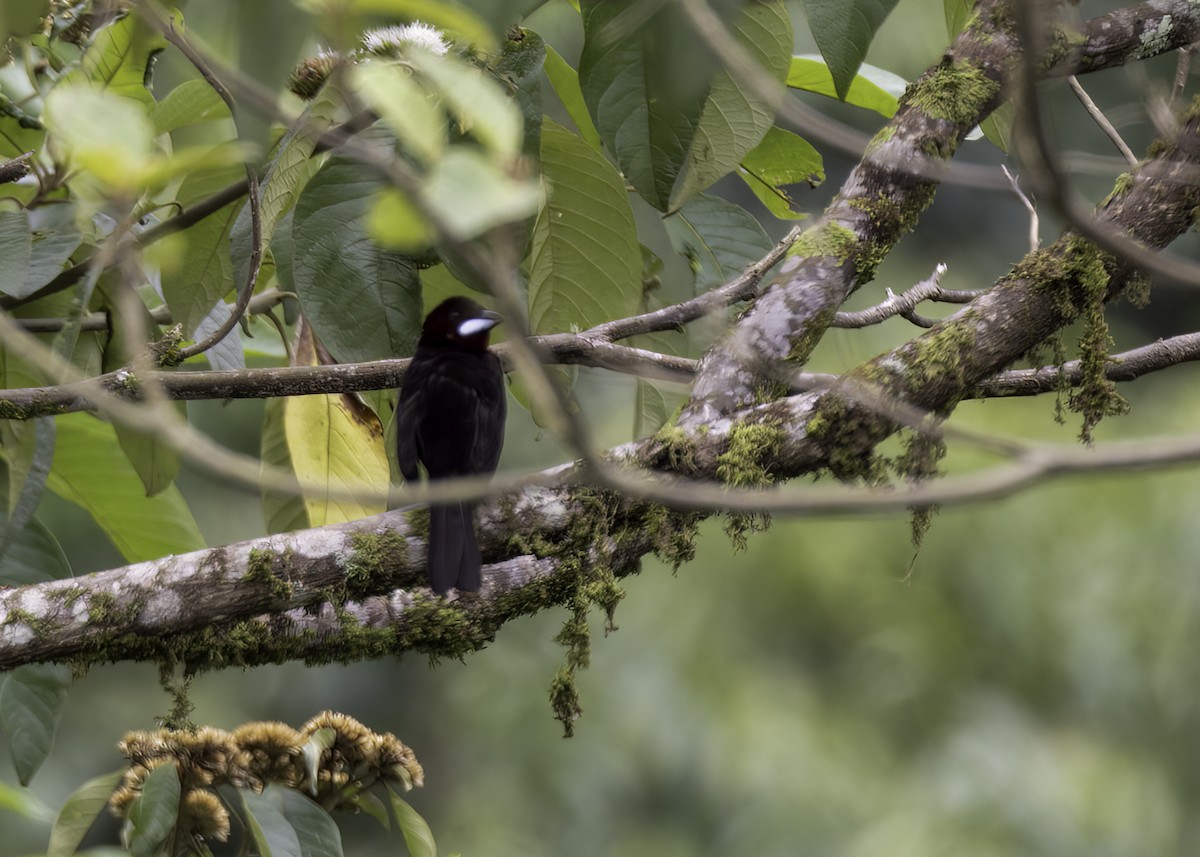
[(408, 108), (998, 126), (202, 274), (417, 835), (23, 18), (16, 252), (957, 12), (735, 117), (101, 133), (271, 831), (471, 195), (481, 105), (34, 245), (585, 261), (367, 802), (317, 833), (519, 69), (336, 445), (190, 103), (282, 512), (565, 81), (375, 309), (28, 450), (782, 158), (313, 748), (119, 57), (645, 77), (289, 172), (649, 409), (872, 88), (91, 471), (154, 812), (396, 223), (156, 464), (717, 237), (843, 30), (33, 556), (80, 812), (30, 707), (23, 802)]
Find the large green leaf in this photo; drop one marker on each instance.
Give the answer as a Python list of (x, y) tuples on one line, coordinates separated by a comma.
[(565, 81), (718, 238), (202, 274), (843, 30), (154, 812), (34, 245), (782, 158), (735, 115), (291, 168), (119, 57), (872, 88), (317, 833), (79, 813), (645, 76), (417, 835), (91, 471), (335, 444), (364, 302), (585, 261), (190, 103), (270, 829), (30, 707)]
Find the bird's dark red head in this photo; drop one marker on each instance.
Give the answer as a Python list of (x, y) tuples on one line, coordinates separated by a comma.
[(458, 322)]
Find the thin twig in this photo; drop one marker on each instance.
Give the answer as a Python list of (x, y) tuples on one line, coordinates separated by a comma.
[(904, 303), (1100, 119), (1035, 240)]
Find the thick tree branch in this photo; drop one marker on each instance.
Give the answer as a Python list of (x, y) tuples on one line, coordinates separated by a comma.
[(878, 204)]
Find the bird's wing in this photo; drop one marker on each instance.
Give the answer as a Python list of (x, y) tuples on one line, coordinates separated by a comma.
[(491, 409), (446, 431), (409, 408)]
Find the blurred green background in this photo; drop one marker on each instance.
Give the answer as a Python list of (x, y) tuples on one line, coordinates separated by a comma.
[(1031, 688)]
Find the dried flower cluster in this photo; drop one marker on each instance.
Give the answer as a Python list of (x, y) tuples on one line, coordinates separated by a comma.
[(307, 78), (332, 758)]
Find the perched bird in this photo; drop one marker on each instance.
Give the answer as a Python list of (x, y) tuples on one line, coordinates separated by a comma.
[(451, 420)]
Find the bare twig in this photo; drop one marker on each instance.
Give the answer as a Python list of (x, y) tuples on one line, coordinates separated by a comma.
[(1035, 240), (904, 303), (1101, 120)]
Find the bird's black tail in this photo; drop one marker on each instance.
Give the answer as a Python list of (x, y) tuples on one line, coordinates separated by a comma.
[(454, 559)]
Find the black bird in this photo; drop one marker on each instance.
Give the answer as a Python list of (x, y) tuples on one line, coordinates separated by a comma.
[(451, 419)]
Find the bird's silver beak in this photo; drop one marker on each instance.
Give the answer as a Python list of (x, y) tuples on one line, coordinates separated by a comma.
[(485, 321)]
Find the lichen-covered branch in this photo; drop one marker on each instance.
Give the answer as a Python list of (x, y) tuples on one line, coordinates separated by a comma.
[(879, 203)]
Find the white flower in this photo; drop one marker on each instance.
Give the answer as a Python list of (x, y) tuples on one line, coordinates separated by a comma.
[(390, 41)]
